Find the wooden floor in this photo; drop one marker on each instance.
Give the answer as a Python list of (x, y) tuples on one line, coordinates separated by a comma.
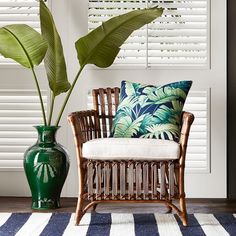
[(18, 204)]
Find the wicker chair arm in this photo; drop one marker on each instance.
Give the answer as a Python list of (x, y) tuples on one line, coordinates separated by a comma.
[(187, 120), (85, 125)]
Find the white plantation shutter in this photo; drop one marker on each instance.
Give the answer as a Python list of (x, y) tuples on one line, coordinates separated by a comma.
[(19, 12), (179, 37), (19, 108), (198, 159), (19, 111)]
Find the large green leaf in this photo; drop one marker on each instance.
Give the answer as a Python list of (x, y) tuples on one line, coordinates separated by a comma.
[(126, 127), (159, 130), (165, 114), (23, 44), (101, 46), (54, 60), (162, 95)]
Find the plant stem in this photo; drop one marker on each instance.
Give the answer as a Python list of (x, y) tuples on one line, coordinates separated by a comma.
[(51, 109), (40, 97), (68, 95)]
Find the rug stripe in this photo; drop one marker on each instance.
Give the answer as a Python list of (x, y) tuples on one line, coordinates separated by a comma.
[(81, 229), (35, 224), (193, 228), (145, 224), (210, 225), (14, 223), (121, 224), (100, 224), (56, 225), (228, 222), (4, 217), (27, 224), (167, 225)]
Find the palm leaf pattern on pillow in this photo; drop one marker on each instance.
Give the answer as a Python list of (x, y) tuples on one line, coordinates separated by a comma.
[(161, 131), (163, 95), (147, 111), (127, 128)]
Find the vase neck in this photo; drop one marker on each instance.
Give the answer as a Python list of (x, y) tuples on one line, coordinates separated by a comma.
[(46, 134)]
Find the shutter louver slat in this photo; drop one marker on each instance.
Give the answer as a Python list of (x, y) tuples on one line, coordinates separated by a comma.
[(19, 106), (15, 127), (17, 134), (181, 33), (31, 24), (18, 3), (16, 141), (115, 12), (14, 148), (18, 12), (11, 156), (193, 19), (164, 61), (140, 4), (20, 120), (156, 53), (18, 18), (11, 164), (19, 112), (199, 135), (197, 142), (12, 11), (187, 12), (179, 39)]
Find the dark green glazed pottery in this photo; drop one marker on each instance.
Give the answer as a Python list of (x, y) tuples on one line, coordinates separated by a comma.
[(46, 165)]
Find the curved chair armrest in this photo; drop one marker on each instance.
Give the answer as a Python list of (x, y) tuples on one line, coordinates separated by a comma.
[(187, 120), (85, 126)]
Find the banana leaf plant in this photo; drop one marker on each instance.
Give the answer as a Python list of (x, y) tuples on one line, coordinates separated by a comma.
[(100, 47)]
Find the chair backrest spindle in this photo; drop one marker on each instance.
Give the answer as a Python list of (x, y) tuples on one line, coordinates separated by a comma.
[(105, 102)]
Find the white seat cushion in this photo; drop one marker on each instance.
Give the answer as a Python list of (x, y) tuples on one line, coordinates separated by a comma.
[(130, 149)]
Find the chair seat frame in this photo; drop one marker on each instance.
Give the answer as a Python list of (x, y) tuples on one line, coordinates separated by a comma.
[(102, 181)]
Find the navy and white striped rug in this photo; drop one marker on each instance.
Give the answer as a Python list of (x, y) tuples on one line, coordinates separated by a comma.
[(48, 224)]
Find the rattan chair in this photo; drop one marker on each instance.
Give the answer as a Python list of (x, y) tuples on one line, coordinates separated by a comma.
[(124, 180)]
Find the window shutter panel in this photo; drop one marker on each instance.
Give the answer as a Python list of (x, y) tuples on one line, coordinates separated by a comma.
[(19, 12), (179, 37), (19, 111), (198, 158)]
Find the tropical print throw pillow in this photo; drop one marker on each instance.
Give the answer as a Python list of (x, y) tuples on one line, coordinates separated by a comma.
[(147, 111)]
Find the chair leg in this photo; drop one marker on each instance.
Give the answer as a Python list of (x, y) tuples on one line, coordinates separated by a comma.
[(79, 210), (183, 214), (182, 203)]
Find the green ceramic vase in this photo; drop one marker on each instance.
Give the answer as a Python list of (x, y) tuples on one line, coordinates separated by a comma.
[(46, 165)]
